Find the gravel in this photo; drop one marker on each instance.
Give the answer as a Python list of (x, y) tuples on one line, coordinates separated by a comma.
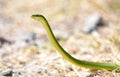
[(93, 22)]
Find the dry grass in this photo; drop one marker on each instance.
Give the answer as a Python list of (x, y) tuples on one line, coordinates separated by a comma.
[(66, 16)]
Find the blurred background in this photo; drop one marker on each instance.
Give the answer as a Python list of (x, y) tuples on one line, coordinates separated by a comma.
[(15, 15), (73, 22)]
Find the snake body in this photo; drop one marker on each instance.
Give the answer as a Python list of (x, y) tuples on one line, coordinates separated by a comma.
[(67, 56)]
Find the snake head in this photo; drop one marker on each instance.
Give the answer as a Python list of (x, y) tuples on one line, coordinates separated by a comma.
[(39, 17), (36, 15)]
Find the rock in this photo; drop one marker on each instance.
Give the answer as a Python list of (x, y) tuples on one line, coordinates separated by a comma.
[(93, 22), (27, 39), (4, 41), (17, 74), (11, 73), (7, 72)]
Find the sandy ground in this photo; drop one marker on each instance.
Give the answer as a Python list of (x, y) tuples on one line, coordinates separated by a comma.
[(67, 18)]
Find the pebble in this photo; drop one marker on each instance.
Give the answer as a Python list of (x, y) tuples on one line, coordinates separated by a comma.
[(4, 41), (93, 22), (7, 72), (26, 40), (11, 73), (17, 74)]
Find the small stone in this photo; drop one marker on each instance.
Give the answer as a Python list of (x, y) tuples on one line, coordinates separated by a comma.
[(7, 72), (29, 37), (4, 41), (26, 40), (93, 22), (17, 74)]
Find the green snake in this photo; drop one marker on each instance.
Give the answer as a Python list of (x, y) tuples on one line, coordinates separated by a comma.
[(67, 56)]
